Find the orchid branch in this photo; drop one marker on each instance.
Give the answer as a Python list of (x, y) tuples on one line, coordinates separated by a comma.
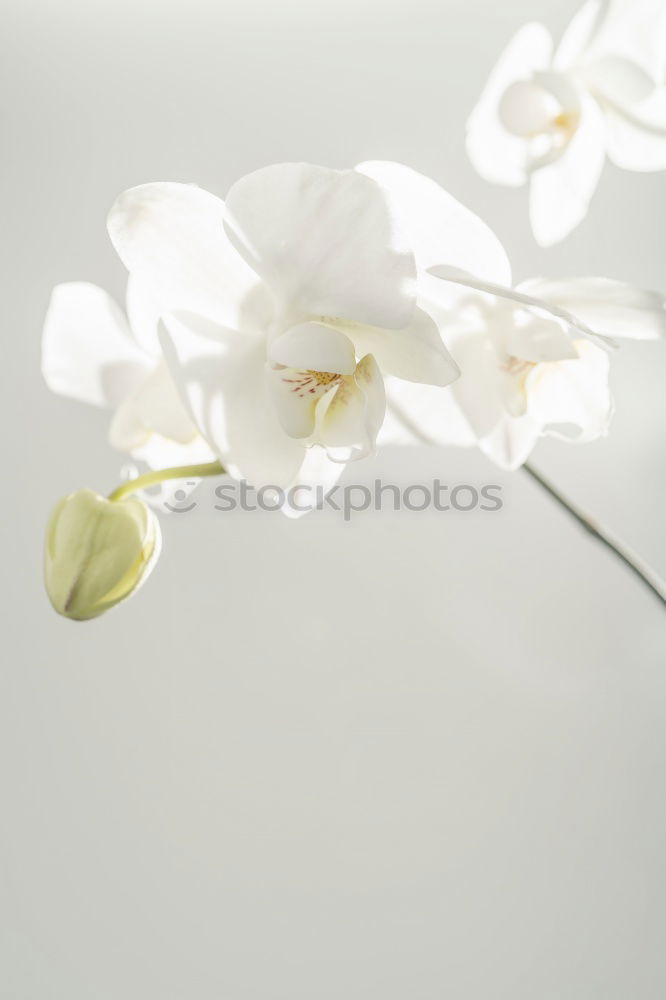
[(618, 547), (149, 479), (603, 534)]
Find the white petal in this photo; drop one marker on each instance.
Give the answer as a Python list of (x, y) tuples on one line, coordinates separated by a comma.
[(161, 453), (143, 315), (511, 440), (637, 135), (350, 420), (325, 241), (221, 376), (610, 307), (316, 347), (154, 407), (573, 394), (294, 394), (634, 30), (370, 381), (512, 390), (498, 155), (416, 353), (87, 350), (578, 35), (477, 391), (171, 237), (560, 192), (620, 80), (316, 477), (528, 108), (441, 230), (127, 431), (526, 335)]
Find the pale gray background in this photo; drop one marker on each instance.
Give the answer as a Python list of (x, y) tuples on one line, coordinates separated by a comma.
[(414, 757)]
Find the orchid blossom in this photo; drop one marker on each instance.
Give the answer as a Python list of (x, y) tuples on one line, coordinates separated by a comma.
[(534, 361), (549, 118), (286, 307)]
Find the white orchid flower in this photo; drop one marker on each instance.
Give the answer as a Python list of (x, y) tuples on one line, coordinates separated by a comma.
[(92, 353), (530, 362), (548, 118), (286, 307)]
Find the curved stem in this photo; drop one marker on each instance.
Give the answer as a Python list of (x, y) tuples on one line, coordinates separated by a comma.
[(603, 534), (624, 553), (161, 475)]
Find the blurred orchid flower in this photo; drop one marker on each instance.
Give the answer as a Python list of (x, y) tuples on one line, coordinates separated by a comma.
[(532, 363), (92, 353), (549, 118), (285, 308)]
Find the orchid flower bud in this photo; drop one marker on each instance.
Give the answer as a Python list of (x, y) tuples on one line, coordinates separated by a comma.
[(98, 552)]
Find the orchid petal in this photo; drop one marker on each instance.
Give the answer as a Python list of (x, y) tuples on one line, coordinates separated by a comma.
[(143, 316), (87, 350), (161, 453), (634, 30), (572, 394), (316, 477), (154, 406), (578, 35), (511, 440), (530, 337), (610, 307), (325, 242), (314, 347), (637, 135), (441, 230), (527, 108), (619, 80), (171, 237), (352, 416), (415, 353)]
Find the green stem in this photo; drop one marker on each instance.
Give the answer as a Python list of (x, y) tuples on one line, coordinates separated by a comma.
[(160, 475)]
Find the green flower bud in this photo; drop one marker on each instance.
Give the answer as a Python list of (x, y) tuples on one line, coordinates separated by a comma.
[(98, 552)]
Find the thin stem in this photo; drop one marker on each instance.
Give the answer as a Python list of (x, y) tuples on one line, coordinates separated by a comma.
[(160, 475), (603, 534)]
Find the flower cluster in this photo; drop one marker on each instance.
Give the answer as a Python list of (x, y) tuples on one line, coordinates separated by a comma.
[(283, 332)]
